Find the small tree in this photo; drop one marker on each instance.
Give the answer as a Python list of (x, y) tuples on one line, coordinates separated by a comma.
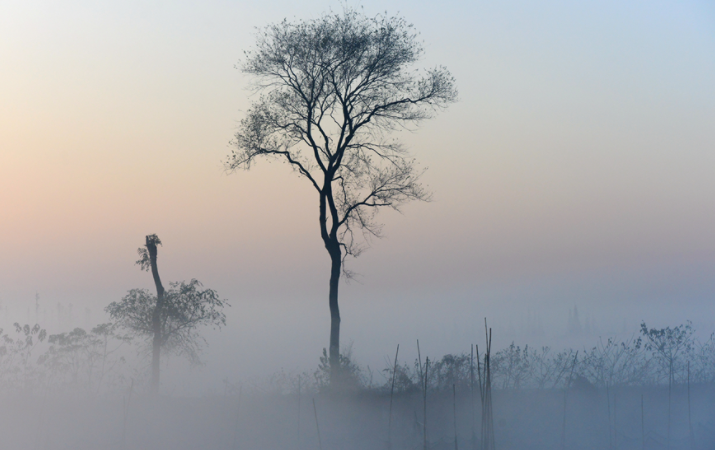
[(82, 359), (704, 361), (670, 347), (550, 368), (171, 318), (451, 370), (17, 367), (612, 363), (512, 366), (332, 88)]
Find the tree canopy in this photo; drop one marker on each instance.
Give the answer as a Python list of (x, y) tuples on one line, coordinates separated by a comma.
[(331, 89), (186, 307)]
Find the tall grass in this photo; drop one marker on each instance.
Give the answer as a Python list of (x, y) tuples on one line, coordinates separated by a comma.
[(485, 390), (392, 393)]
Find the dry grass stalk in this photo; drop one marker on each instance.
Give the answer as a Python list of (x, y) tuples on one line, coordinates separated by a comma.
[(670, 392), (238, 416), (566, 393), (642, 423), (472, 399), (615, 426), (424, 403), (485, 390), (317, 427), (125, 404), (454, 401), (392, 391), (690, 420)]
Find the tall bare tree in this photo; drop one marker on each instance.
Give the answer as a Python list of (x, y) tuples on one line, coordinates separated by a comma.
[(331, 90)]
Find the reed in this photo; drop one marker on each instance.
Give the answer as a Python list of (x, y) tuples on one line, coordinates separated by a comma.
[(238, 416), (670, 394), (392, 391), (642, 423), (125, 405), (419, 361), (615, 421), (472, 399), (690, 420), (608, 403), (566, 394), (485, 388), (454, 403), (424, 404), (317, 426)]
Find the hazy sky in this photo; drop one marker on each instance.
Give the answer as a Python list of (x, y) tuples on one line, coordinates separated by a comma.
[(576, 169)]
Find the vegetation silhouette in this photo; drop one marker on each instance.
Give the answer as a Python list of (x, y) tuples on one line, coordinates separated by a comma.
[(171, 318), (331, 89), (536, 396)]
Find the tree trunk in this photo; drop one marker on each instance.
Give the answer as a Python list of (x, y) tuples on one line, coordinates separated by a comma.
[(334, 353), (156, 316)]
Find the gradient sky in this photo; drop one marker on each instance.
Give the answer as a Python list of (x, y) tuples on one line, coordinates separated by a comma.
[(575, 170)]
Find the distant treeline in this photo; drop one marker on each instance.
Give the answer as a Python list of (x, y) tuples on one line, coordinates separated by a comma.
[(31, 361), (104, 360), (652, 357)]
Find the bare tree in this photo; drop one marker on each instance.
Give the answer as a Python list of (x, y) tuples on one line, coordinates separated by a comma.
[(331, 89), (170, 318), (147, 261)]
